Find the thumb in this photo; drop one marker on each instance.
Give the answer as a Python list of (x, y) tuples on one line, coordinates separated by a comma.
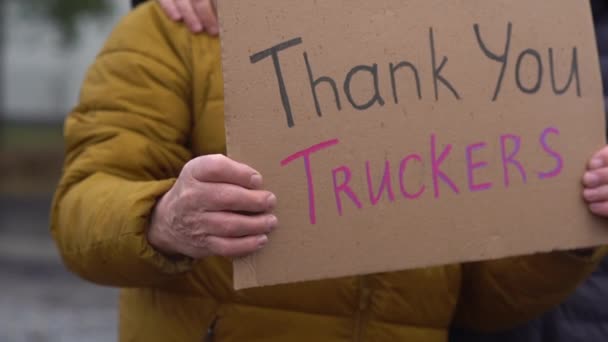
[(221, 169)]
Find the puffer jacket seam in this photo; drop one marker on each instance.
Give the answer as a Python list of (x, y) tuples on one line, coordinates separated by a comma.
[(94, 110), (107, 53)]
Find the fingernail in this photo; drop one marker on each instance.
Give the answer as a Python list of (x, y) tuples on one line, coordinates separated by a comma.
[(256, 181), (262, 241), (596, 163), (595, 207), (272, 200), (591, 179), (197, 27), (272, 222)]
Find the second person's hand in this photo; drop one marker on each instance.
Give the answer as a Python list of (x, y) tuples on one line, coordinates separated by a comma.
[(198, 15)]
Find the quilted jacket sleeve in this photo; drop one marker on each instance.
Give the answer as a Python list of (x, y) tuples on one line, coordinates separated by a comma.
[(501, 294), (126, 141)]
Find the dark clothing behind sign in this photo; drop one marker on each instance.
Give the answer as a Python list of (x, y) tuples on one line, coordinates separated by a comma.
[(584, 316), (581, 318), (600, 18), (136, 2)]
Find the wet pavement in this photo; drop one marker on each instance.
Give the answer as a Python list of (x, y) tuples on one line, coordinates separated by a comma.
[(39, 299)]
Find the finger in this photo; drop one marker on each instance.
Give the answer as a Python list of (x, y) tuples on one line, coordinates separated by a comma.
[(599, 208), (221, 169), (232, 225), (170, 9), (595, 163), (599, 159), (229, 197), (599, 194), (235, 247), (190, 18), (206, 13), (595, 178)]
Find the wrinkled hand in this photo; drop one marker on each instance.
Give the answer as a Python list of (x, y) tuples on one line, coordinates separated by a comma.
[(216, 207), (198, 15), (595, 181)]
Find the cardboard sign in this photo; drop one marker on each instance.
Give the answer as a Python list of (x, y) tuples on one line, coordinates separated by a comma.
[(402, 134)]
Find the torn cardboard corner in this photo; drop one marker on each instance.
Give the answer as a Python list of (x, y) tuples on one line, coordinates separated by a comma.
[(402, 135)]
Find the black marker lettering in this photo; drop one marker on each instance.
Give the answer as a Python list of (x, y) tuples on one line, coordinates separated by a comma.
[(394, 68), (274, 53), (499, 58), (437, 70), (315, 82), (373, 70), (574, 75), (533, 53)]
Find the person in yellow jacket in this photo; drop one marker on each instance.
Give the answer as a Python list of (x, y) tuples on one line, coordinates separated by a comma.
[(148, 203)]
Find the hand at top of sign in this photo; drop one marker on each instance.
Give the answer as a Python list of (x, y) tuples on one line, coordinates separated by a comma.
[(216, 207), (198, 15), (595, 181)]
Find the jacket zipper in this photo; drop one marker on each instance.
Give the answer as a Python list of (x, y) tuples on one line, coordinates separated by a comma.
[(361, 314)]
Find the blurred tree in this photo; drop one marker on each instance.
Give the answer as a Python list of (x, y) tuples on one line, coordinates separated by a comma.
[(64, 14)]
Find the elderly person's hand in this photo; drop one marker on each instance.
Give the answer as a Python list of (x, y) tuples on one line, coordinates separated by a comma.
[(216, 207), (199, 15), (595, 181)]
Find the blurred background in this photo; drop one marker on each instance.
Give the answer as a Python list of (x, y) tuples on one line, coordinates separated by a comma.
[(45, 49)]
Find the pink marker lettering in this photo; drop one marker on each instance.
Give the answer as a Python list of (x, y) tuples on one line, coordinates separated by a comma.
[(510, 158), (306, 153), (558, 158), (436, 167), (402, 169), (385, 184), (471, 167), (344, 187)]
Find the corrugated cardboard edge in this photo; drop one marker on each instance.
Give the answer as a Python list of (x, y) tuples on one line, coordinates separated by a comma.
[(246, 276), (223, 59), (244, 273)]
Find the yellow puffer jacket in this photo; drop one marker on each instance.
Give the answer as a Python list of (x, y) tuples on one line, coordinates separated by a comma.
[(153, 100)]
